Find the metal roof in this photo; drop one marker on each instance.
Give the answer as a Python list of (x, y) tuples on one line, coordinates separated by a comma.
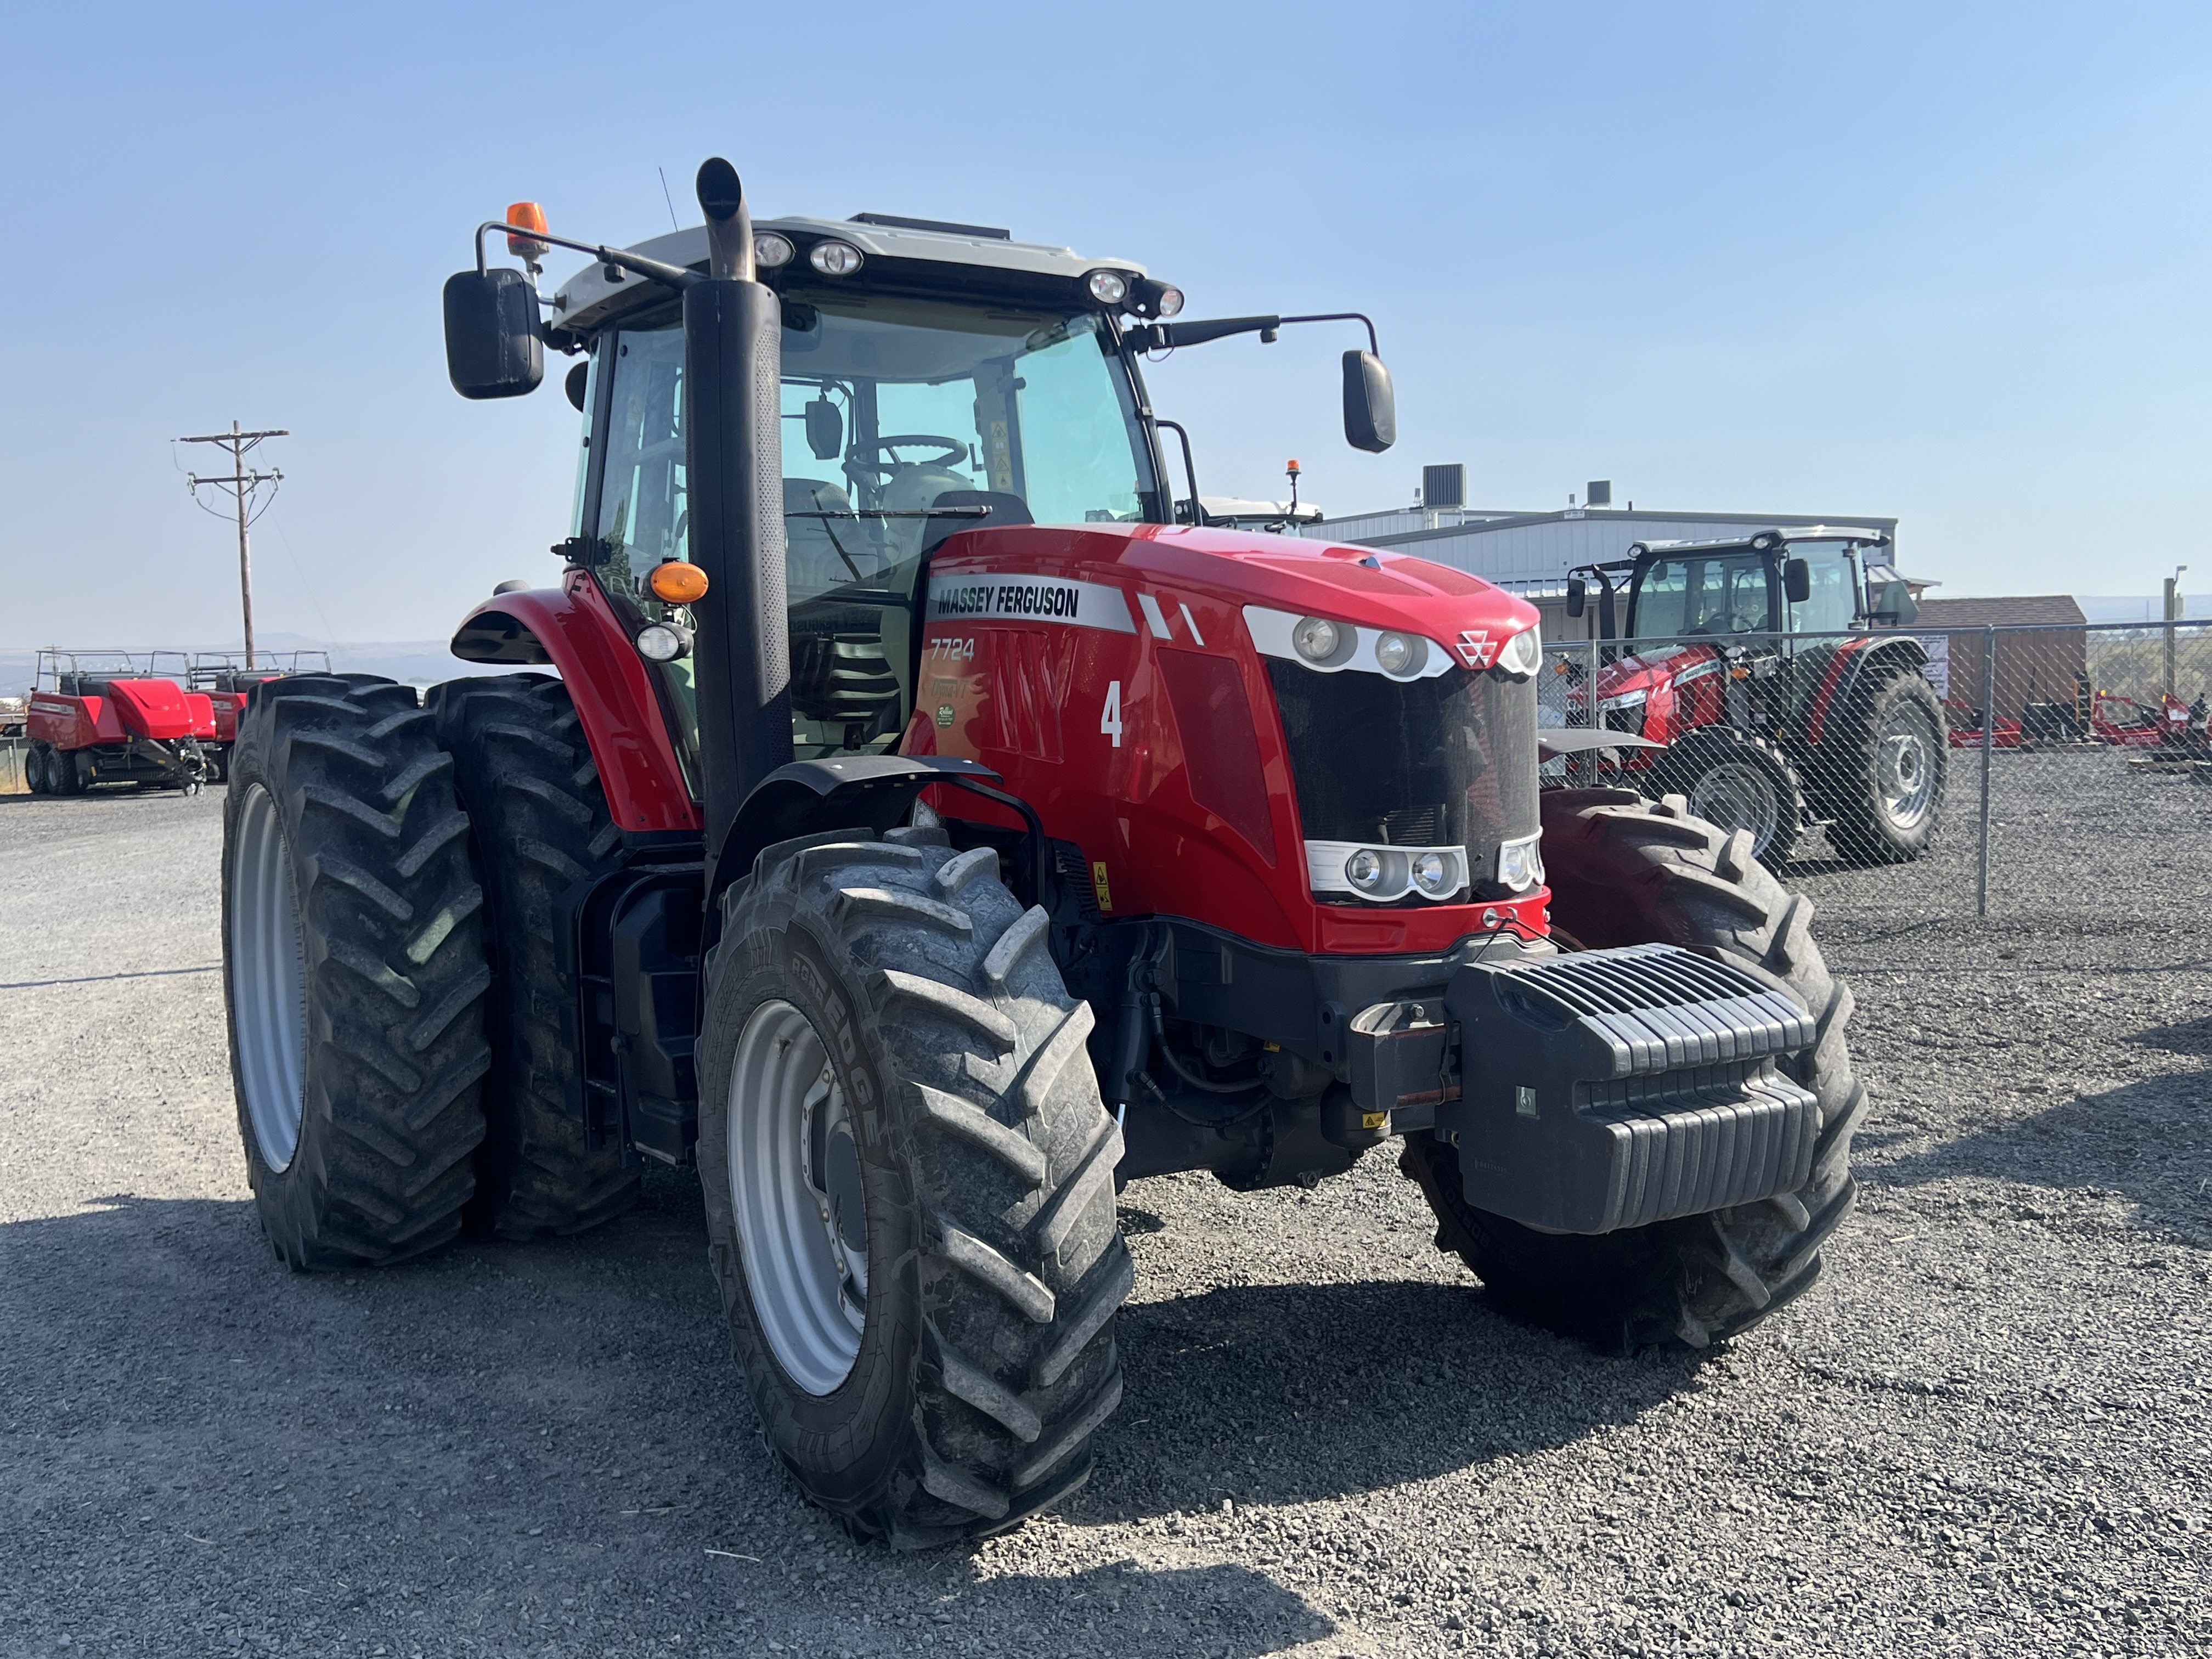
[(585, 299)]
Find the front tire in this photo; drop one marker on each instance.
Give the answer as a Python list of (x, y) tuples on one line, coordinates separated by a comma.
[(354, 973), (909, 1182), (1734, 780), (1625, 872), (538, 812)]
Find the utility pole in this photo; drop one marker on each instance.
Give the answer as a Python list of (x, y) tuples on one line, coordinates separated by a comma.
[(243, 486), (2173, 604)]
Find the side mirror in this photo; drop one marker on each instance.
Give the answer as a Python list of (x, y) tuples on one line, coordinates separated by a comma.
[(1577, 596), (1796, 581), (577, 385), (493, 347), (1370, 407), (1893, 604), (825, 429)]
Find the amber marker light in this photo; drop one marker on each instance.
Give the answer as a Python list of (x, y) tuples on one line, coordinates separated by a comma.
[(530, 216), (677, 581)]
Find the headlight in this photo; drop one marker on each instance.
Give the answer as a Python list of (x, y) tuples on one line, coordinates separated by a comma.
[(1434, 875), (1170, 301), (834, 258), (1523, 654), (1317, 640), (663, 641), (1625, 700), (1401, 655), (1520, 863), (1363, 870), (1109, 288), (771, 250)]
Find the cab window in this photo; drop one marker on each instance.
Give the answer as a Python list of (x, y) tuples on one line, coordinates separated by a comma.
[(1833, 605), (1702, 595)]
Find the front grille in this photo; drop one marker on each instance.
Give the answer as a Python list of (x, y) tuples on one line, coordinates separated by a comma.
[(1445, 761)]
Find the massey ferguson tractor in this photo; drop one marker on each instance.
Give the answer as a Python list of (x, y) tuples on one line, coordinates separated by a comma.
[(99, 717), (1764, 730), (924, 834)]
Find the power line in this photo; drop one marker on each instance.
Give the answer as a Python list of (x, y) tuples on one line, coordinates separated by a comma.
[(243, 487)]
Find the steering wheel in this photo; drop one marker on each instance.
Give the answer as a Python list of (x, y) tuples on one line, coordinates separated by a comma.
[(952, 453)]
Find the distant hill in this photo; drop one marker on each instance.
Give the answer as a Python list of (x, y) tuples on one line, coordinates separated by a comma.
[(2111, 608), (415, 662)]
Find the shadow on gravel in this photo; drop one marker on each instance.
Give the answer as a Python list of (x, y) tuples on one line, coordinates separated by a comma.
[(1121, 1609), (2150, 1142), (1290, 1393)]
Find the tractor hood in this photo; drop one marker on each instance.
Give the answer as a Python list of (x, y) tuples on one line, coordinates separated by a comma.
[(1369, 588), (1645, 673)]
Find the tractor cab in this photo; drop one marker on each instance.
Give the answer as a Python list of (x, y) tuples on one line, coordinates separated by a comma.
[(936, 380), (1825, 579)]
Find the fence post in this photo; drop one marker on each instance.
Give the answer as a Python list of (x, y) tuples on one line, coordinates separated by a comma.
[(1988, 747)]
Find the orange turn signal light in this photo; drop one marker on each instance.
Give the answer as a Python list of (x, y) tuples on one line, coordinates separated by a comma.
[(677, 581), (530, 216)]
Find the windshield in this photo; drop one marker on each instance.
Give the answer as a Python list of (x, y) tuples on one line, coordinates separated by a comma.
[(1700, 595), (904, 420)]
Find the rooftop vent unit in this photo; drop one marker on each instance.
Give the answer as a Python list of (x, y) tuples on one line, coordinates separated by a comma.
[(1599, 493), (1444, 486)]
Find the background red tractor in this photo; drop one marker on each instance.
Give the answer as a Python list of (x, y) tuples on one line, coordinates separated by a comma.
[(101, 717), (930, 830), (1775, 714)]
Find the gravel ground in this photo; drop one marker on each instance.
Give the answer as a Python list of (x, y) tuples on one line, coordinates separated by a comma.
[(1984, 1432)]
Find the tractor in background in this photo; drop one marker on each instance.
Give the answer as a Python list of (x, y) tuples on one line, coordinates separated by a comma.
[(100, 717), (932, 827), (1752, 661)]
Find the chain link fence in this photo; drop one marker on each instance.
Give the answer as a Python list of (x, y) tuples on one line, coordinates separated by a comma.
[(1993, 768)]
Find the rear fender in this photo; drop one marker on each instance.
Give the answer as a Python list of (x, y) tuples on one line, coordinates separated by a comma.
[(1852, 663), (575, 629)]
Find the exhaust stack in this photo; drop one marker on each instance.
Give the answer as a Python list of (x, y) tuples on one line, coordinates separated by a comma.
[(733, 484)]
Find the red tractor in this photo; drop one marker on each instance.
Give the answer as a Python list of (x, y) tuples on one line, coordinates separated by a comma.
[(229, 687), (1777, 709), (930, 831), (114, 717)]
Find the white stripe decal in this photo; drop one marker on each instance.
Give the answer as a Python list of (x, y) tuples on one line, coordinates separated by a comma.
[(1191, 622), (1152, 616), (995, 596)]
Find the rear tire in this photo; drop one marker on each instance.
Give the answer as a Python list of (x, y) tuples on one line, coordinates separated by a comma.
[(34, 769), (538, 815), (1624, 872), (951, 1387), (354, 973), (1886, 754), (1734, 780)]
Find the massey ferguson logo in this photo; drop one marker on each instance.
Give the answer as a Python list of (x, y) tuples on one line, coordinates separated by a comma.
[(1474, 649)]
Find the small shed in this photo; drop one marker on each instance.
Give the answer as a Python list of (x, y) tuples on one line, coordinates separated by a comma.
[(2046, 660)]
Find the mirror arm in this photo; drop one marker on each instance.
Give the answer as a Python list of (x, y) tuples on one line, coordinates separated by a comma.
[(674, 276), (1189, 471), (1163, 337), (1373, 344)]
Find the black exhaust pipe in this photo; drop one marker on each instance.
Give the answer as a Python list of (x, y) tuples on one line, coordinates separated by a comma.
[(733, 487)]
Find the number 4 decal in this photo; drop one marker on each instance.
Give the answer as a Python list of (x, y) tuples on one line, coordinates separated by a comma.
[(1110, 722)]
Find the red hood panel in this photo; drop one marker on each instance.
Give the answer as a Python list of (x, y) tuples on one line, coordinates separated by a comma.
[(151, 709)]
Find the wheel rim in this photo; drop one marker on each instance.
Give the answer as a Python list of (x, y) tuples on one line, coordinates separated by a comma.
[(1905, 769), (268, 980), (795, 1184), (1733, 796)]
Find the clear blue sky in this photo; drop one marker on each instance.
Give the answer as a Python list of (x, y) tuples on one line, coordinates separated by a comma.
[(1949, 262)]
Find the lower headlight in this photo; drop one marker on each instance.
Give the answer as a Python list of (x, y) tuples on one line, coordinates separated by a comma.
[(1363, 870), (1523, 654), (663, 641), (1521, 863), (1399, 655)]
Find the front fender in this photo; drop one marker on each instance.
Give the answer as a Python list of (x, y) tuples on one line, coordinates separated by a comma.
[(573, 628), (1853, 660)]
